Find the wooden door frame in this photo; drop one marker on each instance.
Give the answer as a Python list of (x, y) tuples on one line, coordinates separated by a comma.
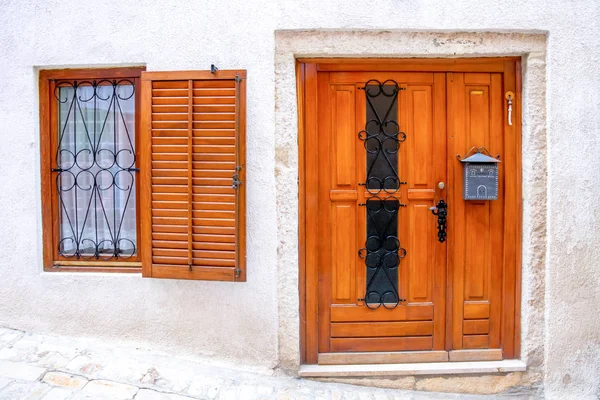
[(306, 73)]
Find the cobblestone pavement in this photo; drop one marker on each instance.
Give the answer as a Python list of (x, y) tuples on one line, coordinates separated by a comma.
[(36, 367)]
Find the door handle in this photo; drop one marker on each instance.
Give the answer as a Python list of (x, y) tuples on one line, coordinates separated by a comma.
[(441, 211)]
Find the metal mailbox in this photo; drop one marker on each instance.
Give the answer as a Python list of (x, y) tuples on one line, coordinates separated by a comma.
[(481, 176)]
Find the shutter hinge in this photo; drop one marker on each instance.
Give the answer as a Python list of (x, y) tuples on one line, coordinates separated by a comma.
[(132, 169), (213, 69), (236, 181), (238, 78), (237, 272), (57, 170)]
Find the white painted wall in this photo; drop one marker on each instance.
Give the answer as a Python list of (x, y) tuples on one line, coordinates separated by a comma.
[(242, 321)]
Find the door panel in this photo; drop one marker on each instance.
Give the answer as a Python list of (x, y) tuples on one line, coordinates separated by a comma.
[(345, 110), (475, 101)]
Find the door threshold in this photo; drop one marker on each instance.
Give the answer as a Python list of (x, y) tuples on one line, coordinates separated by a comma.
[(436, 368)]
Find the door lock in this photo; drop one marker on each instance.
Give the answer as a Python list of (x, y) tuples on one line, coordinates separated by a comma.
[(441, 211)]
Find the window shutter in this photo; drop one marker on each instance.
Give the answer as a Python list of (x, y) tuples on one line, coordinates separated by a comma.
[(193, 175)]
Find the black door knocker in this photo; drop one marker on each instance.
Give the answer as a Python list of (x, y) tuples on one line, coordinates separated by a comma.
[(440, 210)]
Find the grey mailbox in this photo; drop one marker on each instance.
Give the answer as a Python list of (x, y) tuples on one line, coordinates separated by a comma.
[(481, 177)]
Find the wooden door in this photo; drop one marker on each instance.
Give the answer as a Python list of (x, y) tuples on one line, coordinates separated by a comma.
[(380, 151), (382, 270)]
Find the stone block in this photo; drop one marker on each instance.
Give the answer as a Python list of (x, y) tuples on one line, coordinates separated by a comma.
[(24, 390), (58, 393), (20, 371), (489, 384), (112, 390), (65, 380), (147, 394)]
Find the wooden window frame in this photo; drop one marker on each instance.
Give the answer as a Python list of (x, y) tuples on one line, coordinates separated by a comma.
[(48, 127)]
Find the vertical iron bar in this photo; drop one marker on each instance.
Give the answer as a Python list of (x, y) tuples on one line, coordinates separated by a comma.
[(77, 250), (114, 187), (94, 189)]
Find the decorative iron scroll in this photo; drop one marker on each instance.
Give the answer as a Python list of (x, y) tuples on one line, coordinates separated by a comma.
[(382, 138), (95, 162)]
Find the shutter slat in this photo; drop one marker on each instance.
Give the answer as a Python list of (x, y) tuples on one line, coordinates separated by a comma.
[(230, 83), (213, 190), (214, 238), (170, 229), (169, 133), (194, 125), (211, 141), (214, 133), (213, 246), (209, 92), (170, 213), (214, 108), (212, 230), (169, 236), (162, 244), (213, 206), (165, 252), (169, 204), (170, 260), (204, 116)]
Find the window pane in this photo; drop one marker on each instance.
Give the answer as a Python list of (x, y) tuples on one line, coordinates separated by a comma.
[(95, 158)]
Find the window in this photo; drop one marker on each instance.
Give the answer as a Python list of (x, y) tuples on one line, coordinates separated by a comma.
[(144, 171), (89, 168)]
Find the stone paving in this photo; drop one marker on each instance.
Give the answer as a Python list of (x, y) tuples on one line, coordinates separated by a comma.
[(40, 367)]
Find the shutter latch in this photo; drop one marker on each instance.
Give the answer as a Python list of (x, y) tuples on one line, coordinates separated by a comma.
[(236, 181)]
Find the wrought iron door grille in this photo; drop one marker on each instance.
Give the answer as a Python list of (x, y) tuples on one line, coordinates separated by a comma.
[(382, 138), (95, 166)]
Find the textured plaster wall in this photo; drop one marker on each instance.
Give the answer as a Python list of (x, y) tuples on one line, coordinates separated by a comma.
[(257, 321), (232, 321)]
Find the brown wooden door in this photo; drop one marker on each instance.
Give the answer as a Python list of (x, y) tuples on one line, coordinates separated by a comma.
[(381, 150), (372, 297)]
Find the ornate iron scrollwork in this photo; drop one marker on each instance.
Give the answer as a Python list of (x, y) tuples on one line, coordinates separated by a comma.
[(95, 162), (382, 138), (441, 211)]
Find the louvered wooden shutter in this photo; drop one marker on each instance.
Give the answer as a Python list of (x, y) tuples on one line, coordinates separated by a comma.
[(192, 157)]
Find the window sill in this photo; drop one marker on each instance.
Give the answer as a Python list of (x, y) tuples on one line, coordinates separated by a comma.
[(440, 368), (95, 266)]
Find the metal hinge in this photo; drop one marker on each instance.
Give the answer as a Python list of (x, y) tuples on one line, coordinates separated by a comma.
[(238, 79), (237, 272), (57, 170), (236, 181)]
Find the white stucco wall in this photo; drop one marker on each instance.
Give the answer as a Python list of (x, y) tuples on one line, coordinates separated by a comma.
[(244, 322)]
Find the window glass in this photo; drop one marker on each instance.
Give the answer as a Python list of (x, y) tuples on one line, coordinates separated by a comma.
[(95, 160)]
